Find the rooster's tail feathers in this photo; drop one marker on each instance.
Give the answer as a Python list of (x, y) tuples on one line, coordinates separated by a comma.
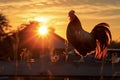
[(103, 38)]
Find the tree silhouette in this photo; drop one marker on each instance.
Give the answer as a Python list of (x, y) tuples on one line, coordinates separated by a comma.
[(114, 45), (6, 42), (3, 23)]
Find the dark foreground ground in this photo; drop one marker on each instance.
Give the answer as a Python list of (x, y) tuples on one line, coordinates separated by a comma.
[(44, 69), (60, 71)]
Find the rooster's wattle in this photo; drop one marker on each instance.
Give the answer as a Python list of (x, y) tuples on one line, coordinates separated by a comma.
[(84, 42)]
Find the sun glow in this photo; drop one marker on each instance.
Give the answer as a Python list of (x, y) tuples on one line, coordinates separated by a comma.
[(42, 19), (43, 30)]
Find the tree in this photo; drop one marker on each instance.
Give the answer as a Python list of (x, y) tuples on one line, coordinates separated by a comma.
[(3, 23), (114, 45), (6, 42), (3, 20)]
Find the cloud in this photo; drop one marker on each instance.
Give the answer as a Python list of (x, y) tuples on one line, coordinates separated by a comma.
[(89, 8), (57, 9)]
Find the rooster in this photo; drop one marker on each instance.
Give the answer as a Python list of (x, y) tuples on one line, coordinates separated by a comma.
[(86, 43)]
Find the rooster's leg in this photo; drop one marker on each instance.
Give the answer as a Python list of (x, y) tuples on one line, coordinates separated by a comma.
[(80, 60)]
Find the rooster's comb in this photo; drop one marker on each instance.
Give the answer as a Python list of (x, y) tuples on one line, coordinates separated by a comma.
[(71, 12)]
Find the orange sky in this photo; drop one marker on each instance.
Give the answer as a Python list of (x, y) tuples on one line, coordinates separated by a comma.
[(55, 12)]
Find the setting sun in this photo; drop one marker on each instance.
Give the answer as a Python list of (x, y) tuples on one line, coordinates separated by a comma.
[(43, 30)]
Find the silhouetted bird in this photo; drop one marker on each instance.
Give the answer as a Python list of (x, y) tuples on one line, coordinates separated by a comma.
[(84, 42)]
